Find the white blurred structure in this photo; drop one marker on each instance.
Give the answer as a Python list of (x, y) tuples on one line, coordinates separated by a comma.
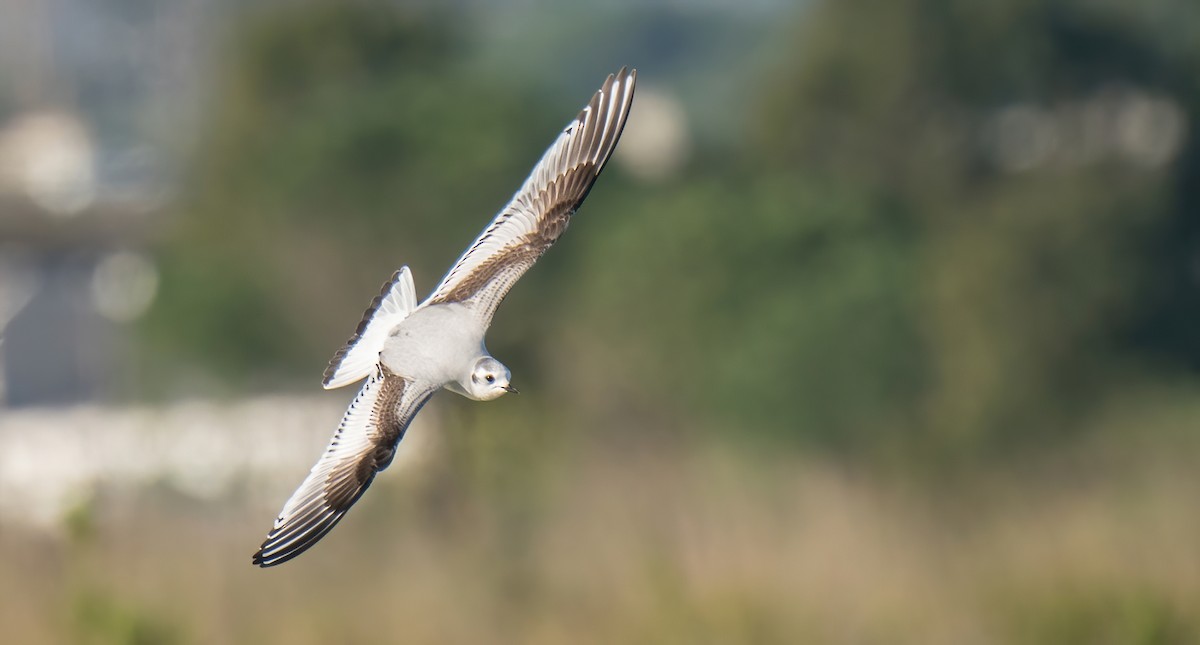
[(123, 285), (656, 143), (82, 179), (49, 157), (1118, 123), (54, 459)]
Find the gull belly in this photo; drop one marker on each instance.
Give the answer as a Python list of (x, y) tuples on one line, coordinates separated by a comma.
[(436, 344)]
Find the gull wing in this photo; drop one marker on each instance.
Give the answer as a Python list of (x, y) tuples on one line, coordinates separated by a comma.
[(539, 212), (363, 445), (360, 354)]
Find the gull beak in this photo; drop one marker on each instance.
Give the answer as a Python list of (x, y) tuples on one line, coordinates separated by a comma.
[(510, 388)]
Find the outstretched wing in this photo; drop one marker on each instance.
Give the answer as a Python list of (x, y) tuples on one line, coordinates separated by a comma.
[(539, 212), (360, 354), (363, 445)]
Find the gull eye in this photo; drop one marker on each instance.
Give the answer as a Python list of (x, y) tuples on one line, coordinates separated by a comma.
[(490, 378)]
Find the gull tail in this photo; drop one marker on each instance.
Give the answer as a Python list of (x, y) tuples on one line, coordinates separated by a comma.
[(360, 355)]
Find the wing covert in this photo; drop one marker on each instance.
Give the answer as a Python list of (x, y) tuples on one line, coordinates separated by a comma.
[(539, 212), (363, 445)]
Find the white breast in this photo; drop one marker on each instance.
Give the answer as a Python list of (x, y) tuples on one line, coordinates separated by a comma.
[(436, 343)]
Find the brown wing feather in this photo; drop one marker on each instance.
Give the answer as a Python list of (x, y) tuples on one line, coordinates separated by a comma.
[(539, 213), (364, 445), (515, 258)]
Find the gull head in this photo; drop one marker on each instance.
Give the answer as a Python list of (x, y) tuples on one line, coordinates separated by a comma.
[(490, 379)]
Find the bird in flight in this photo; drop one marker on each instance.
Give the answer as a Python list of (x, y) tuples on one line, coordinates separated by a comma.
[(408, 351)]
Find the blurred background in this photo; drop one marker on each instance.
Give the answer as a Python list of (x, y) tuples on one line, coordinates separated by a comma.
[(880, 328)]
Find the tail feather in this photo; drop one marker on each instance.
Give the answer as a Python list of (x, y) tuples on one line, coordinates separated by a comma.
[(359, 356)]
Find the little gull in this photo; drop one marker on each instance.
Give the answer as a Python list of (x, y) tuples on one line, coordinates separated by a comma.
[(408, 351)]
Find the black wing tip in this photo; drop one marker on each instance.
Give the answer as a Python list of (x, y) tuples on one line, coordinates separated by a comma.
[(298, 547), (258, 560), (265, 562), (626, 77), (262, 562), (623, 82), (311, 534), (622, 77)]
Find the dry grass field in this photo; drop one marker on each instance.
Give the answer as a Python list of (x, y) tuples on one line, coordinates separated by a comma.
[(503, 537)]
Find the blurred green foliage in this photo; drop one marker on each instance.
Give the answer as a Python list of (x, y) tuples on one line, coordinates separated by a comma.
[(1035, 289), (339, 148), (887, 263), (1100, 615), (97, 613), (100, 619)]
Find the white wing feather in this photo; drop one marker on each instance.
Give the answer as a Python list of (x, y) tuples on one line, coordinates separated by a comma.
[(360, 355), (562, 177), (363, 445)]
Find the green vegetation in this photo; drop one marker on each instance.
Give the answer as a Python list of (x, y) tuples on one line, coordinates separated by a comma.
[(949, 232)]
